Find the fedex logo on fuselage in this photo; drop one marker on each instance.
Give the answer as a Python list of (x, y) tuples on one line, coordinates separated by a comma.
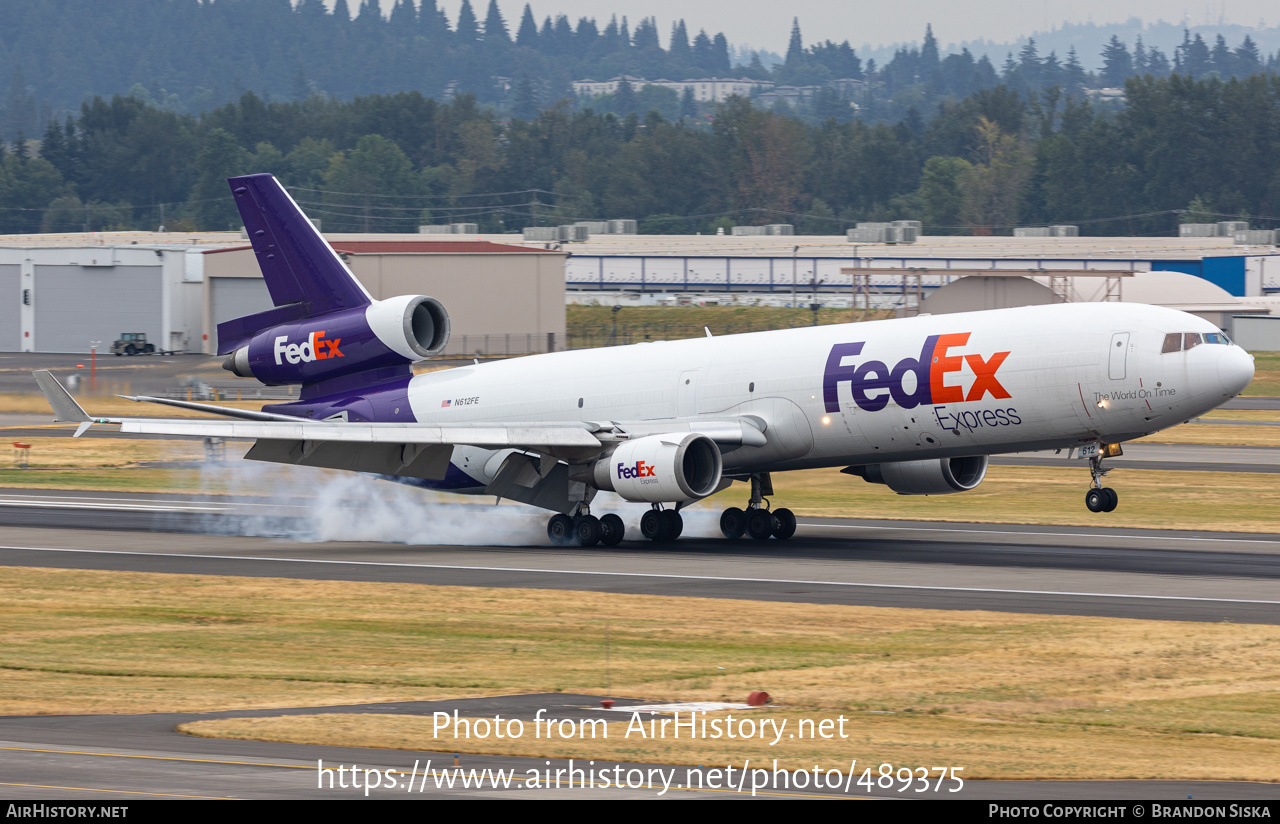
[(313, 348), (873, 383), (640, 470)]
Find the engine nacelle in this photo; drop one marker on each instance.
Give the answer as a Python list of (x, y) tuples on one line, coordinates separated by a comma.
[(388, 332), (662, 468), (934, 477)]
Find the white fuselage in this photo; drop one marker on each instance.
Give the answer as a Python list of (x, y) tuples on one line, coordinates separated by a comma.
[(1007, 380)]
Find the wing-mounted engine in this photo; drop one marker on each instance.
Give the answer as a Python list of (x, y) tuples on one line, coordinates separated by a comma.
[(661, 468), (390, 332), (933, 477)]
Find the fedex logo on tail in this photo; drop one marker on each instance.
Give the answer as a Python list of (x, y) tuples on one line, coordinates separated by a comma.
[(934, 376), (313, 348)]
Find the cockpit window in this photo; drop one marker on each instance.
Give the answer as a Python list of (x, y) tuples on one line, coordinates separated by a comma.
[(1186, 341)]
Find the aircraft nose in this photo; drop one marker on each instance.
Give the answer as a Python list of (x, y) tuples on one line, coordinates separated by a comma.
[(1235, 369)]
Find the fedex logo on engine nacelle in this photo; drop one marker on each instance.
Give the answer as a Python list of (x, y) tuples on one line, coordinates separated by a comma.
[(313, 348), (931, 371), (640, 470)]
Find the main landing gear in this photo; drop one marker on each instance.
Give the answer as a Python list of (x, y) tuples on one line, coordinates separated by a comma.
[(661, 524), (1101, 498), (758, 520), (585, 529)]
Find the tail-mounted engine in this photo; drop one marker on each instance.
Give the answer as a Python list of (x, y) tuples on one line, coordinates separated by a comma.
[(935, 477), (662, 468), (388, 332)]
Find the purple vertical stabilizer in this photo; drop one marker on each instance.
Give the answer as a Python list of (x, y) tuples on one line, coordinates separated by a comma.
[(304, 275)]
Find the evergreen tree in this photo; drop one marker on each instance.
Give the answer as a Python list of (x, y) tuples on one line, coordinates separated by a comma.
[(1247, 58), (624, 99), (433, 24), (1221, 58), (703, 52), (688, 106), (467, 30), (404, 17), (495, 28), (370, 13), (341, 13), (527, 36), (929, 60), (646, 36), (795, 47), (1117, 63), (525, 105), (1140, 59), (720, 55), (219, 158), (1157, 63), (680, 51)]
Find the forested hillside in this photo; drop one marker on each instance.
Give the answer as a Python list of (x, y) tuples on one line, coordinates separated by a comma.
[(191, 56), (386, 163)]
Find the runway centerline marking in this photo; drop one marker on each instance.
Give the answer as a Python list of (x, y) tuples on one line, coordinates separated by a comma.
[(661, 575)]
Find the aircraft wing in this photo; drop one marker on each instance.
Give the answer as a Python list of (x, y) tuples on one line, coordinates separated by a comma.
[(421, 450)]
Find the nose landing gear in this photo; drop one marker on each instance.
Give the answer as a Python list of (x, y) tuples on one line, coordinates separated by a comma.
[(758, 520), (1101, 498)]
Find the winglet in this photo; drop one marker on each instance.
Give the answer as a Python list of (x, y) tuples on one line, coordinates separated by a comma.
[(64, 406)]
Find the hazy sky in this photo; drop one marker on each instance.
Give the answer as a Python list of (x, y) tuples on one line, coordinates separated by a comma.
[(768, 24)]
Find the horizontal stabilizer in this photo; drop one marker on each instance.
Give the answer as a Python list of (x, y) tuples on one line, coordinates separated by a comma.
[(64, 406)]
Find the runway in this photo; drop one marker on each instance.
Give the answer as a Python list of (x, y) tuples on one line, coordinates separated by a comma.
[(1125, 573)]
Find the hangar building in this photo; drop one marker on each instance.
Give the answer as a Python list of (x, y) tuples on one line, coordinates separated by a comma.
[(61, 293)]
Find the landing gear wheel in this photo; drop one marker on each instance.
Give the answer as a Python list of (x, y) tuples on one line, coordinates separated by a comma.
[(560, 530), (586, 530), (759, 524), (1096, 500), (672, 524), (651, 525), (784, 524), (611, 530), (733, 522), (1113, 499)]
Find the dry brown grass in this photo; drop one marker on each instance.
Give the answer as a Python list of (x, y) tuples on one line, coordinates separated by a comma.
[(111, 406), (108, 452), (1003, 695), (1221, 435)]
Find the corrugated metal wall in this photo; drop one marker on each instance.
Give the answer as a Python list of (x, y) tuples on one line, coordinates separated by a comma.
[(10, 308), (232, 298), (77, 304)]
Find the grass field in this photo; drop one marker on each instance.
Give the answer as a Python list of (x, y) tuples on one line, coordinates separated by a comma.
[(589, 326), (1003, 695)]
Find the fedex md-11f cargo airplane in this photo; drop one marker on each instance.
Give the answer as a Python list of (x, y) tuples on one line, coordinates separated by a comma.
[(917, 404)]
